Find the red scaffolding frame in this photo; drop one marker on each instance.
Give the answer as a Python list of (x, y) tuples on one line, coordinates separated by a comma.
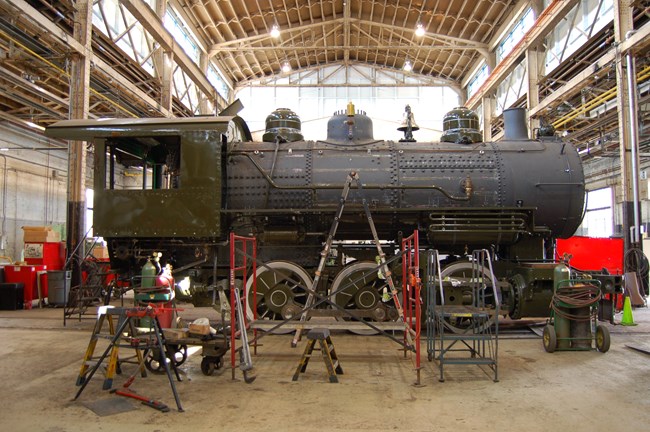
[(247, 248), (410, 304), (411, 300)]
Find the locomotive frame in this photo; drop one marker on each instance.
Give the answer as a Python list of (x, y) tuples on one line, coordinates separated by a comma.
[(202, 178)]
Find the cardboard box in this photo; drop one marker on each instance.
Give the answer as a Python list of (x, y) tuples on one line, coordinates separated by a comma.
[(172, 334), (40, 234), (100, 252), (199, 329)]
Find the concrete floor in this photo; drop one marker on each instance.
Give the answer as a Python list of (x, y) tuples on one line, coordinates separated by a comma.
[(564, 391)]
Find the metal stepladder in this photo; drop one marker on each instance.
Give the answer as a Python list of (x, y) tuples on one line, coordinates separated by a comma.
[(331, 359), (126, 336), (409, 331), (479, 338)]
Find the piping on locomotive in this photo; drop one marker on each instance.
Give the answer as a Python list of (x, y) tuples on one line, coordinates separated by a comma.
[(180, 186)]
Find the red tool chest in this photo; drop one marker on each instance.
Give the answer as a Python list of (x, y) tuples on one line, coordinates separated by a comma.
[(27, 275), (50, 254)]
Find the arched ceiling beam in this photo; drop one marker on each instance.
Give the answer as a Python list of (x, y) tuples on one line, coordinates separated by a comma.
[(449, 42), (152, 24), (424, 80)]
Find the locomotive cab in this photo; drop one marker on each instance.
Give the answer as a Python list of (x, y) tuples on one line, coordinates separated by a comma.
[(157, 183)]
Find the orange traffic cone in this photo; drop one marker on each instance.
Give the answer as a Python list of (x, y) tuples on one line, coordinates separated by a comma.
[(628, 319)]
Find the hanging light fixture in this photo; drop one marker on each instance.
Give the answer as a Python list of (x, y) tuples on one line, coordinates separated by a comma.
[(408, 67), (419, 30), (286, 67), (275, 31)]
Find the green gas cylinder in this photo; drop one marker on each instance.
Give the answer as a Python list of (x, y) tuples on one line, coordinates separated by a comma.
[(147, 281), (148, 273), (561, 272)]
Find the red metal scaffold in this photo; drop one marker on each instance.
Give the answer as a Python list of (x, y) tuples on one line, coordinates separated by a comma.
[(238, 320), (408, 307), (411, 300)]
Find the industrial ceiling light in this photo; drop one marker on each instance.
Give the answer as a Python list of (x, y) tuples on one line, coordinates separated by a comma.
[(408, 67), (286, 67), (275, 31), (419, 30)]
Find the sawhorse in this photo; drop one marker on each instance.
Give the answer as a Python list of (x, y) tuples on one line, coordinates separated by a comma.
[(327, 350), (126, 317), (113, 366)]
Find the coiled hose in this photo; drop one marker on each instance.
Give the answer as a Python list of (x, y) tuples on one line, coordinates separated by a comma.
[(636, 261), (576, 297)]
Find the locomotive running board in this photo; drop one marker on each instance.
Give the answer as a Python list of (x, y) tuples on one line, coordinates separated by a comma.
[(301, 324)]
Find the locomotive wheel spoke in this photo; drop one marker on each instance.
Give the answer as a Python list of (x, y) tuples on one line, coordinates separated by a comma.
[(357, 287), (461, 271), (281, 290)]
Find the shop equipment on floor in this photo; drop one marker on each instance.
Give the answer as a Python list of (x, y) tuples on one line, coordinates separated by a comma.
[(126, 336), (408, 318), (573, 323), (474, 337)]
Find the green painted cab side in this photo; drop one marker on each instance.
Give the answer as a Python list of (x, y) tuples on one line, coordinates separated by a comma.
[(193, 209)]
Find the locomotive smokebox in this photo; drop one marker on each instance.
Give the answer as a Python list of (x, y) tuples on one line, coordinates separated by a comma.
[(514, 124)]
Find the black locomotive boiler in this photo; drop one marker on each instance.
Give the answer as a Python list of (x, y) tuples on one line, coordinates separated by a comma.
[(179, 186)]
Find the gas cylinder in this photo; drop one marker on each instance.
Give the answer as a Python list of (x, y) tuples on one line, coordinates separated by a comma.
[(148, 274), (166, 281), (561, 272)]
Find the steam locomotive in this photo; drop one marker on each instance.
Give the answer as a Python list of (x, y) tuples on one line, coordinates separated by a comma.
[(178, 187)]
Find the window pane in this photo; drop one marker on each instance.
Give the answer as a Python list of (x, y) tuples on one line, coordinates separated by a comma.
[(599, 216)]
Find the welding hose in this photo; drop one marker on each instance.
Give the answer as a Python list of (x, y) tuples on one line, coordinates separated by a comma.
[(636, 261), (576, 297)]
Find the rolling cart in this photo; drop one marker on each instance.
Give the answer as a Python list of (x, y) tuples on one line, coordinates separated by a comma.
[(573, 323)]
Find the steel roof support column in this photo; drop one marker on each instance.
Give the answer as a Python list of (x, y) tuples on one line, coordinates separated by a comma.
[(488, 109), (205, 107), (79, 107), (164, 59), (535, 70), (628, 153)]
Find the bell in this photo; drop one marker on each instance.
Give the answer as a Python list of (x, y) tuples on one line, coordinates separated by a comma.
[(408, 119), (408, 125)]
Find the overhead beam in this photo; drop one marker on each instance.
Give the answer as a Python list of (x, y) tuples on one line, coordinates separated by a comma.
[(451, 39), (33, 88), (44, 22), (182, 10), (426, 80), (639, 40), (24, 123), (152, 24), (344, 47), (346, 32), (238, 44), (259, 38), (509, 22), (545, 23)]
